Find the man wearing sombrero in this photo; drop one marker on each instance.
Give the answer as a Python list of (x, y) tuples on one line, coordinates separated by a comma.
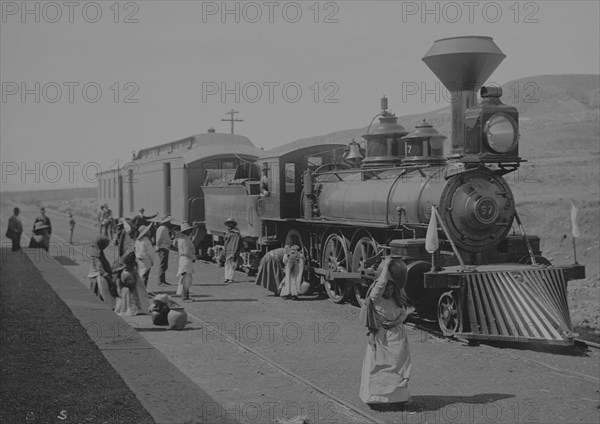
[(233, 246), (163, 244)]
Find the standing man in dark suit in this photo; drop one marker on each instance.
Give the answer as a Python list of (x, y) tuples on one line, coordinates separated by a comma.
[(139, 220), (15, 229)]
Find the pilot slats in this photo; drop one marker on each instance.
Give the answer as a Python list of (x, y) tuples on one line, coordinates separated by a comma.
[(518, 305)]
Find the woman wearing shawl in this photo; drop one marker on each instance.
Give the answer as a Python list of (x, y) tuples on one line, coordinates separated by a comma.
[(271, 272), (101, 282), (187, 257), (123, 238), (133, 297), (145, 253), (386, 366)]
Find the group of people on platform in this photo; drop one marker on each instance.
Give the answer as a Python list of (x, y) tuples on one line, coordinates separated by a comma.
[(141, 242), (123, 285), (41, 231)]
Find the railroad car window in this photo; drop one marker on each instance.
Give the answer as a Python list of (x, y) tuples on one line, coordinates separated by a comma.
[(315, 161), (290, 177), (274, 178), (228, 165), (114, 188), (130, 178)]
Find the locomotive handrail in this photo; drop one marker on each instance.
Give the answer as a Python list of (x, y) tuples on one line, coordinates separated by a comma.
[(460, 259), (405, 168), (533, 261)]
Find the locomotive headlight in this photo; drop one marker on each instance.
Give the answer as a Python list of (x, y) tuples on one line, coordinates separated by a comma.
[(501, 133)]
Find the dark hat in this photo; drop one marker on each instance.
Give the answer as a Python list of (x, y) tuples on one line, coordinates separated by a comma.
[(129, 259), (231, 221)]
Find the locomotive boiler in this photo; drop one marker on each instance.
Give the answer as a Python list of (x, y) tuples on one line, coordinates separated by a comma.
[(483, 279)]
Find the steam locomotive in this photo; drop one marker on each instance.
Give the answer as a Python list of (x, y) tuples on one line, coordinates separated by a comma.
[(482, 281)]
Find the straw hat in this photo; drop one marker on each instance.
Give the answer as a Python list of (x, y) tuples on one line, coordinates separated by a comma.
[(164, 298), (118, 266), (144, 231), (231, 221), (185, 226), (163, 220), (40, 226)]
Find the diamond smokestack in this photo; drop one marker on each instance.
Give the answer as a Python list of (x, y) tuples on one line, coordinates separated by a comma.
[(463, 64)]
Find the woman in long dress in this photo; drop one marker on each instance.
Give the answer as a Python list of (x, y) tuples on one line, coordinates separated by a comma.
[(386, 366), (271, 270), (187, 257), (145, 253), (133, 297), (100, 275)]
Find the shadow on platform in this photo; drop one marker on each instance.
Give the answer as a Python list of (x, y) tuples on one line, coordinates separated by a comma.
[(433, 403)]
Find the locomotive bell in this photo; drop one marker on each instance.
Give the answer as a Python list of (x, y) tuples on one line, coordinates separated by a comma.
[(384, 147), (354, 154), (424, 145)]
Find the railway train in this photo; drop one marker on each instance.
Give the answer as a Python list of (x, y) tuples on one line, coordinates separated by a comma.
[(346, 207)]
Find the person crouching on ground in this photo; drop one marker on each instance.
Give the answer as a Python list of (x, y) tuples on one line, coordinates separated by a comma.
[(271, 270), (47, 232), (163, 244), (233, 246), (145, 254), (187, 257), (40, 238), (101, 282), (294, 270), (386, 366)]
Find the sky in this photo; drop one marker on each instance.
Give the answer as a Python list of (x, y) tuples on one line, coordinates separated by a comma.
[(86, 83)]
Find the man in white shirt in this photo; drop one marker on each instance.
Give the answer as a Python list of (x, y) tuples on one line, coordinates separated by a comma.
[(163, 244)]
